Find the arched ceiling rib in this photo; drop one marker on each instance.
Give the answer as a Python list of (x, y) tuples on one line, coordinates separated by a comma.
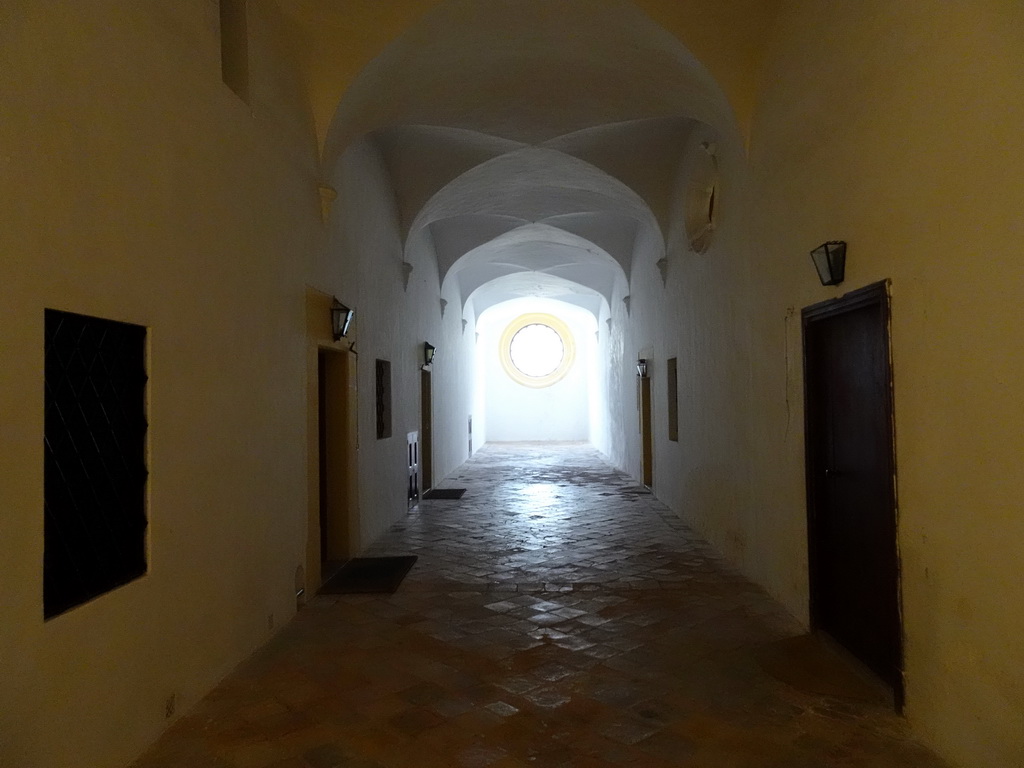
[(643, 154), (613, 233), (535, 260), (528, 71), (527, 284), (423, 158), (455, 236), (338, 38), (532, 185)]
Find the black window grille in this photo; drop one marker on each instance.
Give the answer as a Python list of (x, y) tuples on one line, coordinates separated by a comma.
[(94, 470), (383, 399)]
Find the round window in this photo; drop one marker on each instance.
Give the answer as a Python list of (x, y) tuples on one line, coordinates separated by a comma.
[(537, 350)]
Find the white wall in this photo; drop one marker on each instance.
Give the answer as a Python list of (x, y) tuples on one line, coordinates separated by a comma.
[(479, 387), (362, 265), (517, 412)]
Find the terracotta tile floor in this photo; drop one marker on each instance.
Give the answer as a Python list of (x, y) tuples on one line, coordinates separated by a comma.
[(558, 616)]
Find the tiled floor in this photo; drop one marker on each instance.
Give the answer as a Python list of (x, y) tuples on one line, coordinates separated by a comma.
[(558, 616)]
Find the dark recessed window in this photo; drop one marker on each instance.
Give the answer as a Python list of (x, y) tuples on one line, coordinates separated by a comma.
[(234, 47), (673, 400), (383, 399), (94, 469)]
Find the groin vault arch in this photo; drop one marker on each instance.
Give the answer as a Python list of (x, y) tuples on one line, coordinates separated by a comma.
[(496, 122)]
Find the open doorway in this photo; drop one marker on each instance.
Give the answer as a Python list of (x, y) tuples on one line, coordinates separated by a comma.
[(851, 496), (339, 522)]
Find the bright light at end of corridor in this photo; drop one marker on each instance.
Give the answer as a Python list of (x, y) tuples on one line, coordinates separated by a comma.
[(537, 350)]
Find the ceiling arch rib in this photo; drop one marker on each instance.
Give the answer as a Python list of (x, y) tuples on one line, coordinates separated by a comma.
[(529, 71), (642, 154), (524, 284), (533, 185), (533, 260), (454, 236), (614, 233), (421, 159)]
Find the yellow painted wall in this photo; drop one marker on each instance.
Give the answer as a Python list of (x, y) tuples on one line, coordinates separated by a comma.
[(896, 127), (135, 186), (727, 38)]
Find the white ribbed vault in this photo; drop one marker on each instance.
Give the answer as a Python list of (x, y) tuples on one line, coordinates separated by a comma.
[(532, 159)]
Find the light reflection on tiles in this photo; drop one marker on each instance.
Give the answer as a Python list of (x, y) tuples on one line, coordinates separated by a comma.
[(558, 616)]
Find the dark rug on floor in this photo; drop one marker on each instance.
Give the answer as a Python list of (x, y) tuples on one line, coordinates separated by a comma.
[(444, 493), (369, 574)]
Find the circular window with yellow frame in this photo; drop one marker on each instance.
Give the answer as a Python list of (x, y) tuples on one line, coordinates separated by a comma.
[(537, 350)]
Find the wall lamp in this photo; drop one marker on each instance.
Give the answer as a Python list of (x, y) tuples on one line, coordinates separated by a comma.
[(428, 352), (641, 368), (341, 319), (830, 261)]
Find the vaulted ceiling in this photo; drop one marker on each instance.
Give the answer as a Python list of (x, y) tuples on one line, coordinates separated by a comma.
[(533, 146)]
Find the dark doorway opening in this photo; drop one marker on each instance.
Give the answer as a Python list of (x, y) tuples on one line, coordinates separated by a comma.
[(851, 490)]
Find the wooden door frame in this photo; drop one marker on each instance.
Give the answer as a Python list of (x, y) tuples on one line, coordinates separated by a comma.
[(873, 294)]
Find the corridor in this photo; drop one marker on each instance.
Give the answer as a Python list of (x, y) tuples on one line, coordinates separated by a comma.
[(558, 615)]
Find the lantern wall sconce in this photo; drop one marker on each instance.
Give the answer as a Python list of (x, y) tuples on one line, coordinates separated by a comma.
[(341, 319), (641, 368), (428, 353), (830, 261)]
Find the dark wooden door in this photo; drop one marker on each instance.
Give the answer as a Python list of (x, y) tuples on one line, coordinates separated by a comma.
[(646, 432), (426, 432), (853, 558), (336, 405)]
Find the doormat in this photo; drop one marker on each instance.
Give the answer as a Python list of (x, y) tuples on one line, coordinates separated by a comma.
[(369, 574), (444, 493)]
